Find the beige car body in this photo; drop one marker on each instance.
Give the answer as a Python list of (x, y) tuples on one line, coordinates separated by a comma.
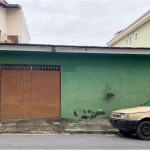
[(133, 121), (137, 113)]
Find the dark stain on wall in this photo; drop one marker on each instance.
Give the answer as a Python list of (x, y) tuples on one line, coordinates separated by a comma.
[(91, 114), (85, 117), (89, 111), (98, 113), (84, 111), (75, 113)]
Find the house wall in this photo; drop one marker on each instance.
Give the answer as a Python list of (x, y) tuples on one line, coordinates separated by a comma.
[(25, 38), (3, 22), (14, 22), (143, 37), (86, 78)]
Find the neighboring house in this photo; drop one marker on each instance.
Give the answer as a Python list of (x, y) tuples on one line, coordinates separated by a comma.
[(12, 24), (135, 35), (77, 82)]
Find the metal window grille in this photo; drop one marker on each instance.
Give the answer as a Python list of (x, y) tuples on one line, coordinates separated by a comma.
[(29, 67)]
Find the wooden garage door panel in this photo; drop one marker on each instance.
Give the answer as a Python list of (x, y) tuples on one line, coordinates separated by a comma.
[(45, 111), (30, 94), (15, 111), (15, 94), (45, 101)]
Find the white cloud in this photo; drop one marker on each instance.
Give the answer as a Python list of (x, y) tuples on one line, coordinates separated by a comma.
[(74, 22)]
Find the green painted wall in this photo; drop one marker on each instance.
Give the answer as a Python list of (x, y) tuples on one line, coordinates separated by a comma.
[(143, 37), (85, 78)]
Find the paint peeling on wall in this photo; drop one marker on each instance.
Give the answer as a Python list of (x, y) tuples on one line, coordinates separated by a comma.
[(89, 114)]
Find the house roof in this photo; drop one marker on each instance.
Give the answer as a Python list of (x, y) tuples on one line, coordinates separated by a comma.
[(72, 49), (137, 23), (7, 5)]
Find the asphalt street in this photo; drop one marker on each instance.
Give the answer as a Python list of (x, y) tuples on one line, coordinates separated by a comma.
[(14, 141)]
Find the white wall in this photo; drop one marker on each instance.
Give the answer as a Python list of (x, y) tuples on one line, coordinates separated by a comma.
[(3, 23), (25, 37), (13, 22)]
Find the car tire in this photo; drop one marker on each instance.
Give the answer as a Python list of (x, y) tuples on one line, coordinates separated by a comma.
[(143, 130), (126, 133)]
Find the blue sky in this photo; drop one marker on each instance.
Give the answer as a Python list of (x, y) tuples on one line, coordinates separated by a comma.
[(79, 22)]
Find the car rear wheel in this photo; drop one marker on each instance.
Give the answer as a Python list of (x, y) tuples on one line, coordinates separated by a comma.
[(126, 133), (143, 130)]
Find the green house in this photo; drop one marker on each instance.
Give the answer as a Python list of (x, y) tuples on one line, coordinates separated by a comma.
[(136, 34), (77, 82)]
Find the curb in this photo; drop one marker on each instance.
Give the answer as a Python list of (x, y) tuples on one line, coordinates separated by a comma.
[(91, 132), (62, 132)]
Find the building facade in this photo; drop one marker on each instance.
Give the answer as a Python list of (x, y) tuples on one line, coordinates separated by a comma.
[(13, 25), (135, 35), (50, 81)]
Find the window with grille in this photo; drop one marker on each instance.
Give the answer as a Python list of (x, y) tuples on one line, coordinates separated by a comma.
[(13, 39)]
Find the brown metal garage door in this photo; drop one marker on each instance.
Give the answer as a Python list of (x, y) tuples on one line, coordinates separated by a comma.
[(30, 92), (15, 94), (46, 103)]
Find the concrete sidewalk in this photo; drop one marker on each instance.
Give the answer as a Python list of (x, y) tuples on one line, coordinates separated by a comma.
[(47, 126)]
